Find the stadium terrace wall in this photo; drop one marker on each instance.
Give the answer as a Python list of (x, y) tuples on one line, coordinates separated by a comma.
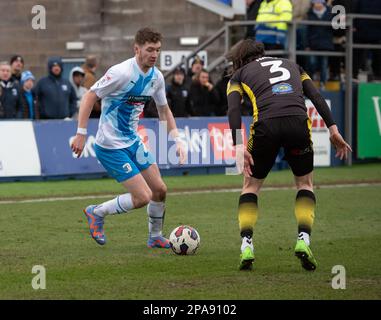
[(41, 149)]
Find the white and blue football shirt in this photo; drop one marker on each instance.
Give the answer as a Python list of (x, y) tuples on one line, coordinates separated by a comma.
[(124, 90)]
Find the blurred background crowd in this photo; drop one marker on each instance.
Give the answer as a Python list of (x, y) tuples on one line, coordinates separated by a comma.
[(192, 91)]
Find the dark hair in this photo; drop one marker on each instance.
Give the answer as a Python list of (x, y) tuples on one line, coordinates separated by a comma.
[(17, 57), (147, 35), (196, 77), (179, 70), (245, 52)]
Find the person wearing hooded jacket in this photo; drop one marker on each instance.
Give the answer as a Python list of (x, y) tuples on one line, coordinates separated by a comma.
[(77, 75), (178, 94), (56, 96)]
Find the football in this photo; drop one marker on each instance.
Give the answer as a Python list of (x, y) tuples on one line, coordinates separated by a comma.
[(184, 240)]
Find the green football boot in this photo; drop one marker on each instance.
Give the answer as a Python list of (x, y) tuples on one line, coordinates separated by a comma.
[(247, 259), (304, 253)]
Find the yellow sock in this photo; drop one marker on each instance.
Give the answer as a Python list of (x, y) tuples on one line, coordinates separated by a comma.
[(305, 210), (247, 213)]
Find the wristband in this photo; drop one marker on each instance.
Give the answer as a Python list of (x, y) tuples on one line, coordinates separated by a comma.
[(82, 131), (177, 139)]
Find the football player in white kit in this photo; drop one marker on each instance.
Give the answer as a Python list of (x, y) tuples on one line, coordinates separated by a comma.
[(124, 89)]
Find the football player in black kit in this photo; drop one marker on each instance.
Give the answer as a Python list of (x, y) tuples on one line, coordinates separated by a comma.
[(276, 88)]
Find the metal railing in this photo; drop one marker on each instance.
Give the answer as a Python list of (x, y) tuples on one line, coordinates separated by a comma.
[(291, 52)]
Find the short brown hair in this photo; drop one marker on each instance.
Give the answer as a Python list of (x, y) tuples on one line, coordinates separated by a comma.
[(147, 35), (91, 61)]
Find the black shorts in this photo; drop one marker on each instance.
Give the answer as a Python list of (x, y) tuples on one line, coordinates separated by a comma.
[(293, 133)]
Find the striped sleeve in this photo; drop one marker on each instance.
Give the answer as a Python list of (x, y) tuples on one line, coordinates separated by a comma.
[(234, 86), (303, 74)]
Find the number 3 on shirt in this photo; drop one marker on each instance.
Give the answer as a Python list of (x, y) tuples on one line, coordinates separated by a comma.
[(276, 67)]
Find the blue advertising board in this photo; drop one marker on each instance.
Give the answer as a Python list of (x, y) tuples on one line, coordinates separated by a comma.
[(207, 140)]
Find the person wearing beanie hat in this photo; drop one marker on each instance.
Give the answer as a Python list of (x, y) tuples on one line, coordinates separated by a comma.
[(17, 66), (55, 95), (28, 98), (178, 94), (27, 75)]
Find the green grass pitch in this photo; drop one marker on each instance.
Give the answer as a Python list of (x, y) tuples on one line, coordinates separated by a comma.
[(347, 232)]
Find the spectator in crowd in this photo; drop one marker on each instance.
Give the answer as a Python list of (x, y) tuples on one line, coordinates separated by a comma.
[(367, 31), (252, 7), (55, 95), (90, 67), (10, 103), (300, 9), (202, 95), (222, 100), (76, 78), (28, 98), (178, 94), (17, 66), (319, 38), (197, 65), (274, 34)]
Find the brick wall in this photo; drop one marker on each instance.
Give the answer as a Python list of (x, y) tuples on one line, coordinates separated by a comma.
[(106, 27)]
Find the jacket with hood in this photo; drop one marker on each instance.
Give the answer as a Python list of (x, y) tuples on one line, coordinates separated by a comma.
[(79, 90), (55, 95), (178, 99)]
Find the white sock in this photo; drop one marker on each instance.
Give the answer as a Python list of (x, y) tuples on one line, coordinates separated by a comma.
[(120, 204), (155, 212), (305, 237), (247, 242)]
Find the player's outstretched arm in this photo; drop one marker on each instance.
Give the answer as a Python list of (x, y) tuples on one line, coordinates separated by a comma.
[(87, 103), (165, 114), (310, 91)]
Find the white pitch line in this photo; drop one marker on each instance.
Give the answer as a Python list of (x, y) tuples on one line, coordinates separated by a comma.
[(323, 186)]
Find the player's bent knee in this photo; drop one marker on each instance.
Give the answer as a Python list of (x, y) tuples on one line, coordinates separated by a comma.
[(142, 199), (159, 193)]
